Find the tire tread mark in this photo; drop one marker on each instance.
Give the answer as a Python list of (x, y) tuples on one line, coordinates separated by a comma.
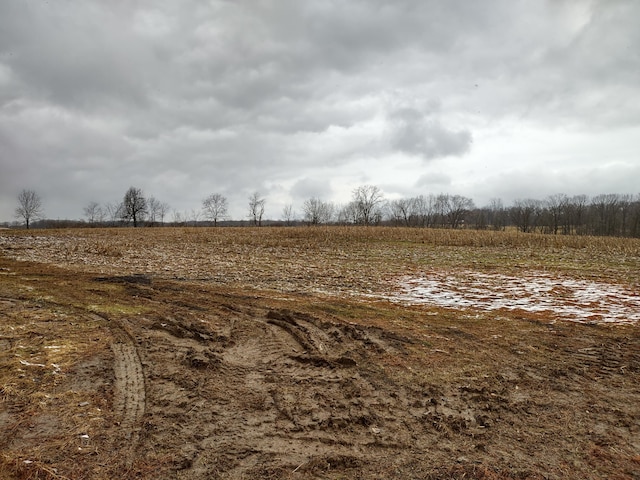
[(129, 388)]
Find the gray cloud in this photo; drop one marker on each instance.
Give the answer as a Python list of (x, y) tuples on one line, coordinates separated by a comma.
[(433, 180), (311, 188), (298, 98), (74, 54), (416, 133)]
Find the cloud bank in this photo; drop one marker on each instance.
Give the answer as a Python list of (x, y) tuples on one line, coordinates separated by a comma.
[(298, 98)]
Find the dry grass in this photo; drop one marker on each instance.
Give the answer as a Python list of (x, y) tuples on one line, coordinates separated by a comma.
[(46, 340), (339, 259)]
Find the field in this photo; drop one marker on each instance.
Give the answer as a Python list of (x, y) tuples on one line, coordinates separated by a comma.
[(325, 353)]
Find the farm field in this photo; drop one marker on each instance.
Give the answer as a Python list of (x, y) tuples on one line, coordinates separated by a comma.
[(328, 353)]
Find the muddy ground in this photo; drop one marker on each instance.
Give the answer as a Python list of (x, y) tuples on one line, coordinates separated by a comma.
[(139, 376)]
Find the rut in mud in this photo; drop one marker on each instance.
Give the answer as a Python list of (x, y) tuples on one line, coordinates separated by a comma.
[(282, 391), (129, 393), (128, 387)]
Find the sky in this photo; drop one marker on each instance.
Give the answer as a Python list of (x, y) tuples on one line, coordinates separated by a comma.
[(294, 99)]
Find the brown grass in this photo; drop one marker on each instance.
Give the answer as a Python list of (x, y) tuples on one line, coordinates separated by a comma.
[(341, 259)]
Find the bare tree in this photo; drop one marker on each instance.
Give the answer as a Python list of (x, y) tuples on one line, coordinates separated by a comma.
[(288, 214), (576, 215), (626, 208), (368, 200), (423, 210), (525, 213), (134, 206), (316, 211), (215, 207), (497, 216), (557, 206), (256, 208), (94, 213), (605, 209), (440, 207), (29, 206), (348, 214), (157, 210), (153, 207), (401, 210), (194, 217), (163, 209), (179, 218), (112, 212), (456, 207), (635, 217)]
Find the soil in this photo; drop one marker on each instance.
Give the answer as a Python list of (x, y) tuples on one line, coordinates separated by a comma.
[(138, 376)]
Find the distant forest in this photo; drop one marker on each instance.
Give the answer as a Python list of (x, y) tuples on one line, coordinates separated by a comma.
[(560, 214)]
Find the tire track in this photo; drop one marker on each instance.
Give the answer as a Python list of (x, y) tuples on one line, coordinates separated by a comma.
[(129, 391), (608, 359), (129, 385), (298, 332)]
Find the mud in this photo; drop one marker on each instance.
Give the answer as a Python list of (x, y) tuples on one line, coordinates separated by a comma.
[(197, 382)]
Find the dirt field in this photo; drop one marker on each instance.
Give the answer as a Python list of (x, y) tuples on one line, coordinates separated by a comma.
[(322, 353)]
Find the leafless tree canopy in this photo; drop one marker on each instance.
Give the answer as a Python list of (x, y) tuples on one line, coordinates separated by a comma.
[(112, 212), (163, 210), (288, 214), (401, 210), (367, 201), (525, 214), (94, 212), (215, 207), (29, 206), (348, 214), (455, 209), (256, 208), (316, 211), (157, 210), (134, 206)]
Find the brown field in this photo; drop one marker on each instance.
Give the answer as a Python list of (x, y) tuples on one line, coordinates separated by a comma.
[(298, 353)]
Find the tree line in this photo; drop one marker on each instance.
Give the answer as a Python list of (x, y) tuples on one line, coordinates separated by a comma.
[(605, 214)]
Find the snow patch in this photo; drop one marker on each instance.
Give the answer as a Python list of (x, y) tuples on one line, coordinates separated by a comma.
[(563, 297)]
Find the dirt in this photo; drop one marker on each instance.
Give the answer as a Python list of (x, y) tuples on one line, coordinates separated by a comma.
[(137, 376)]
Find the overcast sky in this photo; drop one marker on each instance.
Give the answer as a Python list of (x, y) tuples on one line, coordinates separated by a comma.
[(293, 98)]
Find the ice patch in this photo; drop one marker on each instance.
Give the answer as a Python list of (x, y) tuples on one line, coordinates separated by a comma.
[(565, 298)]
